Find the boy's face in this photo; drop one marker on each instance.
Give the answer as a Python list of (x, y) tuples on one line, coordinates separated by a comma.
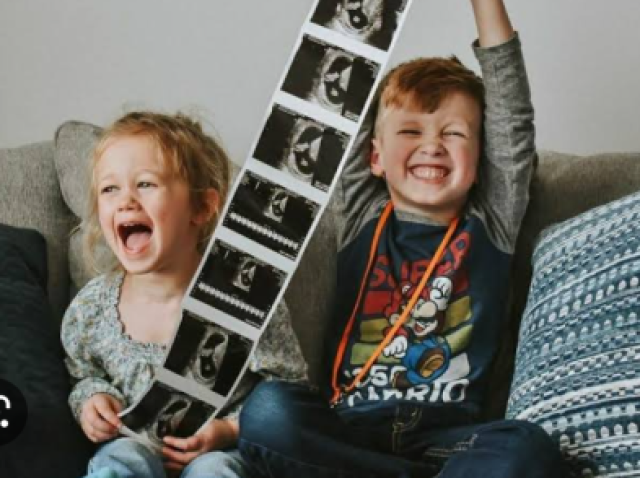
[(429, 160)]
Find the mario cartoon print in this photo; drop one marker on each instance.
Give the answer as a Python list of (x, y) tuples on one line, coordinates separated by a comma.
[(426, 343)]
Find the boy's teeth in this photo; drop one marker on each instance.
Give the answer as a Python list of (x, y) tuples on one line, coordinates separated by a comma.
[(429, 172)]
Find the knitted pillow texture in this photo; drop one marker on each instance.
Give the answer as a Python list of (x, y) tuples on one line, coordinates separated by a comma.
[(577, 368)]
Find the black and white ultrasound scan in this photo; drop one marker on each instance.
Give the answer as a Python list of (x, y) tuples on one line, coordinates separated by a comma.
[(270, 214), (238, 284), (165, 411), (331, 77), (373, 22), (208, 353), (304, 148)]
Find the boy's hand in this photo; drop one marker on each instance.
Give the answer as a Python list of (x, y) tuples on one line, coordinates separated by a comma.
[(492, 21), (217, 435), (99, 417)]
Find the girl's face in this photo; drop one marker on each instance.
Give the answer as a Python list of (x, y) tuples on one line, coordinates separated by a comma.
[(144, 211)]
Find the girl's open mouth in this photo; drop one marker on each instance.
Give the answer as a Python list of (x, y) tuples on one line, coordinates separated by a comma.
[(135, 236)]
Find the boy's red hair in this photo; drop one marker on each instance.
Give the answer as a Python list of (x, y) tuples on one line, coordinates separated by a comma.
[(424, 83)]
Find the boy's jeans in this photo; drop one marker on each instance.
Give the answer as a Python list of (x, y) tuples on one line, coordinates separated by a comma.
[(131, 459), (287, 430)]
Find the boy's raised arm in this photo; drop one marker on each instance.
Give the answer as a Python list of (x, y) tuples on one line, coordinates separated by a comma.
[(492, 20), (509, 150)]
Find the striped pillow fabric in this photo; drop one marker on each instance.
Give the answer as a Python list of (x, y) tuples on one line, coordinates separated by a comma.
[(577, 370)]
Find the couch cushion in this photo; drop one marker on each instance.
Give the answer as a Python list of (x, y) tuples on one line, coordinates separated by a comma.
[(31, 359), (312, 290), (564, 186), (30, 197), (74, 144), (577, 367)]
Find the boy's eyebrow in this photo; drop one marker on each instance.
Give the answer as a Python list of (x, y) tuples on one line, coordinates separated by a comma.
[(460, 122), (410, 121)]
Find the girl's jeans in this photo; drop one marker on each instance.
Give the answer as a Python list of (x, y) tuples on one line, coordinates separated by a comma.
[(287, 430), (129, 458)]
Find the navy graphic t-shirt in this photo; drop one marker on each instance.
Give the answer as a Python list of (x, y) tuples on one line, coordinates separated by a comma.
[(442, 347)]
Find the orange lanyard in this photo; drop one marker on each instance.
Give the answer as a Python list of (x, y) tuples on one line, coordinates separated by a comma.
[(405, 313)]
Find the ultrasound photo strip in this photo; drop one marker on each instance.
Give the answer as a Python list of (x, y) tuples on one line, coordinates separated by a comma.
[(165, 411), (207, 353), (212, 294), (372, 22), (268, 220), (337, 80), (250, 226), (238, 284), (307, 149), (270, 214), (325, 88)]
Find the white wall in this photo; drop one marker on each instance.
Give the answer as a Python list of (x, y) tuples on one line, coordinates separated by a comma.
[(93, 59)]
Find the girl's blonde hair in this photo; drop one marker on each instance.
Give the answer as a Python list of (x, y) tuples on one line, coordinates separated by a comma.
[(187, 151)]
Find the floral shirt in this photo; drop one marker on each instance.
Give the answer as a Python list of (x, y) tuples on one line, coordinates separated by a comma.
[(102, 358)]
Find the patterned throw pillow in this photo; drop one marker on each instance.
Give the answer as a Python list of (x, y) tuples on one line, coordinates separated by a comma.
[(578, 360)]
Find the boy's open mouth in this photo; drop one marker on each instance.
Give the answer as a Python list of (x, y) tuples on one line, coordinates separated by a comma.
[(429, 172), (135, 235)]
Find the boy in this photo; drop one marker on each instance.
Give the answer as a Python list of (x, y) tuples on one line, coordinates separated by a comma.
[(411, 362)]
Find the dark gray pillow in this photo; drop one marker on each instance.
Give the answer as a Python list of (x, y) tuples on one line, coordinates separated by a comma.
[(31, 358)]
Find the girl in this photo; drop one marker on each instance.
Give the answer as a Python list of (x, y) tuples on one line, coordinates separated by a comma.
[(157, 184)]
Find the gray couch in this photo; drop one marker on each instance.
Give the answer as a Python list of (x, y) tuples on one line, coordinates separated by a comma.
[(41, 187)]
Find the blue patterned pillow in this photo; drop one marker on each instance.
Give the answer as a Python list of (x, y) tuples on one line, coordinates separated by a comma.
[(577, 370)]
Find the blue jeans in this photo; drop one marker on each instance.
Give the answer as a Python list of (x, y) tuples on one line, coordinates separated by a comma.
[(129, 458), (287, 430)]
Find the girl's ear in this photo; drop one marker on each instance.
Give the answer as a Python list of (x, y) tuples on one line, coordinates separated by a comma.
[(375, 160), (209, 207)]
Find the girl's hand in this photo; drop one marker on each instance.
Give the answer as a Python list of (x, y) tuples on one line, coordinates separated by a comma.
[(99, 417), (217, 435)]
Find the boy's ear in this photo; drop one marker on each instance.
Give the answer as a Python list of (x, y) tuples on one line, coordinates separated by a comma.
[(375, 160), (209, 208)]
